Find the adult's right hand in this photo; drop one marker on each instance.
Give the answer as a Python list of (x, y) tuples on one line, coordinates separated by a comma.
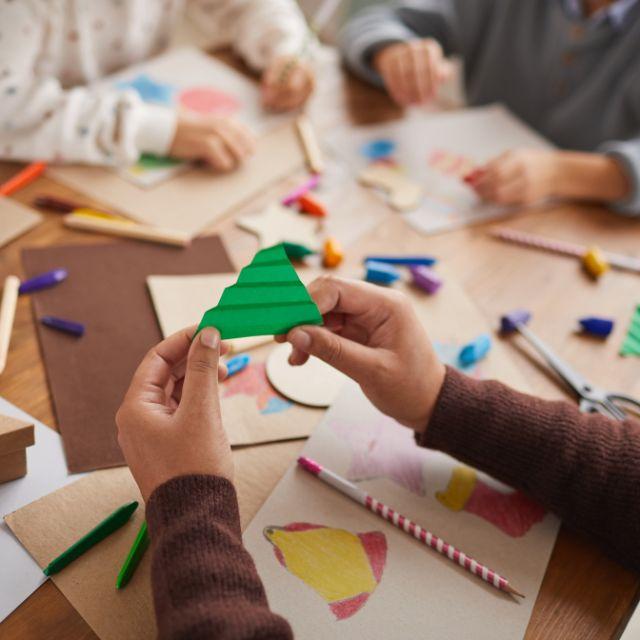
[(374, 336)]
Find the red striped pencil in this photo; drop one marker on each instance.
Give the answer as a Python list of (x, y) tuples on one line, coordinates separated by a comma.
[(22, 178), (404, 524)]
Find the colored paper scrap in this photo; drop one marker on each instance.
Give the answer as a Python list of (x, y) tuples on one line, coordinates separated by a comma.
[(631, 344), (267, 299)]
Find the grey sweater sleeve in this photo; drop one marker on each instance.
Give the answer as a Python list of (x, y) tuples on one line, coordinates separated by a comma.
[(373, 28), (627, 153)]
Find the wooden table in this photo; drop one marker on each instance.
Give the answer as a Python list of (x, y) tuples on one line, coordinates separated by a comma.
[(584, 595)]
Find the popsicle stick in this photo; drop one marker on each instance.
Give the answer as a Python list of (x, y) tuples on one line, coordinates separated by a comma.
[(310, 145), (7, 315), (127, 230)]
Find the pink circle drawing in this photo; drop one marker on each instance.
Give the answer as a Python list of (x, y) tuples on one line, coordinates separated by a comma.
[(207, 101)]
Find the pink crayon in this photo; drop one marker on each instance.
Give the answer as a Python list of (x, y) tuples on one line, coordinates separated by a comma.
[(408, 526), (301, 190)]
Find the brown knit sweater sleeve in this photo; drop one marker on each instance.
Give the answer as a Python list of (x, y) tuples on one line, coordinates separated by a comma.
[(585, 468), (205, 584)]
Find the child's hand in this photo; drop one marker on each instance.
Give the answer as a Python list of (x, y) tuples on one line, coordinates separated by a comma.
[(521, 177), (169, 423), (222, 143), (373, 335), (286, 84), (412, 71)]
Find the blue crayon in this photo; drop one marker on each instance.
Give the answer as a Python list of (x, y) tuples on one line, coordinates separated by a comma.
[(237, 364), (378, 149), (44, 280), (409, 261), (600, 327), (475, 350), (66, 326), (381, 273), (510, 321)]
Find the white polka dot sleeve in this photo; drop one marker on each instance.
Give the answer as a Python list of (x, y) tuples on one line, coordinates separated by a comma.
[(258, 30), (41, 120)]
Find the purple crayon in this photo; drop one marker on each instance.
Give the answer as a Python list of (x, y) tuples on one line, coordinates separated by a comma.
[(510, 321), (67, 326), (426, 278), (44, 280)]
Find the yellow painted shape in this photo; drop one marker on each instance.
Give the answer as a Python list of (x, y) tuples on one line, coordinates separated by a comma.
[(594, 262), (331, 561), (459, 490)]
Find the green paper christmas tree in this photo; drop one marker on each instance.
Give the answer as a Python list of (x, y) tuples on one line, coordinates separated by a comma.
[(267, 299), (631, 344)]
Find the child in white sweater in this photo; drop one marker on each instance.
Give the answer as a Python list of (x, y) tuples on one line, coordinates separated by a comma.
[(50, 49)]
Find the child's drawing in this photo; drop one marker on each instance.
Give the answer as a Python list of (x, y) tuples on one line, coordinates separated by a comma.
[(253, 382), (381, 448), (450, 164), (436, 152), (343, 568), (512, 511), (149, 170)]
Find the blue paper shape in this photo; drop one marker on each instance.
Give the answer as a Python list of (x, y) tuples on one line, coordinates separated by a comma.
[(150, 90)]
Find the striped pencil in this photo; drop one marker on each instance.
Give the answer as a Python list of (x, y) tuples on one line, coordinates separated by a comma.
[(404, 524), (617, 260)]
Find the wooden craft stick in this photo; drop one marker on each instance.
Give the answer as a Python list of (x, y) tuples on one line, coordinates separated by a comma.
[(7, 314), (127, 230), (310, 145)]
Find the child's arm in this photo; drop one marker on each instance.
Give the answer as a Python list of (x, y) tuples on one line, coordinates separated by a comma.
[(586, 468), (271, 36), (204, 582), (40, 120), (401, 47), (527, 176)]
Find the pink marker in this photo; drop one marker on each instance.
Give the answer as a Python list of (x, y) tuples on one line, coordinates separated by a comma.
[(301, 190), (408, 526)]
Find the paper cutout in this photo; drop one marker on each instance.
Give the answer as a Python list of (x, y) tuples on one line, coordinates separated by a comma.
[(403, 193), (277, 224), (315, 383), (631, 344), (513, 512), (379, 149), (267, 299), (343, 568), (253, 382)]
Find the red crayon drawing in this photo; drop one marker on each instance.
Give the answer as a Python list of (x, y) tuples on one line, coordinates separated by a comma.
[(513, 512)]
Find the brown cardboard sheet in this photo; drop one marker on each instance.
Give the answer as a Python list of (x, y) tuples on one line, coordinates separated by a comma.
[(106, 291)]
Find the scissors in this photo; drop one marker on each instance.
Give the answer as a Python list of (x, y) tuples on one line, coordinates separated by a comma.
[(591, 399)]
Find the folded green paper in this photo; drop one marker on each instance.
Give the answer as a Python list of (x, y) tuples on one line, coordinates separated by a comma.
[(267, 299)]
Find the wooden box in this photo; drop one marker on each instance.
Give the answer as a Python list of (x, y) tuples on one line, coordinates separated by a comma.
[(15, 437)]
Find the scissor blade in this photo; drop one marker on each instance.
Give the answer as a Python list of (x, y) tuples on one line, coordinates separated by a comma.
[(578, 383)]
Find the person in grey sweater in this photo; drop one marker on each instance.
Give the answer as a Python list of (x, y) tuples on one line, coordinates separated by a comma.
[(569, 68)]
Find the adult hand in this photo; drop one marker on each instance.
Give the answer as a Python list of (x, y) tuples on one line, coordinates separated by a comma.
[(222, 143), (520, 177), (287, 83), (169, 423), (374, 336), (412, 71)]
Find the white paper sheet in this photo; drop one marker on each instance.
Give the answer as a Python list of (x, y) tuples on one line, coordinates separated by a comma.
[(437, 151), (47, 471)]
